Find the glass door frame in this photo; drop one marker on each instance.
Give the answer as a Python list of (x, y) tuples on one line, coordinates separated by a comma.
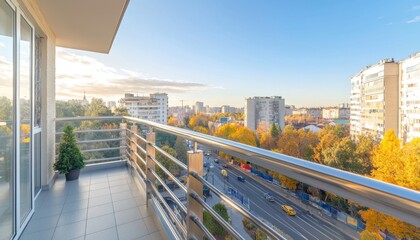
[(18, 223)]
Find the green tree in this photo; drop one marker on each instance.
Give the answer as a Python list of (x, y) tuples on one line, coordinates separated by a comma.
[(97, 107), (168, 164), (69, 155), (121, 111), (181, 149), (274, 131), (211, 224)]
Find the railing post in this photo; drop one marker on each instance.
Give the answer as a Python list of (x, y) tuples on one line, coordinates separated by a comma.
[(133, 146), (123, 142), (195, 164), (150, 164)]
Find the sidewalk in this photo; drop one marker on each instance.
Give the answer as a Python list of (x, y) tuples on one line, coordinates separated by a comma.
[(350, 232)]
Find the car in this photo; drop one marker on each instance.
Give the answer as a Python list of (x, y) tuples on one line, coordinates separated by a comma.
[(289, 210), (207, 153), (225, 165), (269, 197), (216, 160), (241, 179), (211, 166)]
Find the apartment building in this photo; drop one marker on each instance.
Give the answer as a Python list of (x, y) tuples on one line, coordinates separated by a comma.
[(374, 99), (264, 111), (336, 113), (410, 98), (199, 107), (315, 113), (153, 108)]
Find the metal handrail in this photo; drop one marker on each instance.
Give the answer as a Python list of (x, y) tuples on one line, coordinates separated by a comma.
[(102, 159), (93, 131), (100, 140), (137, 145), (172, 194), (394, 200), (182, 186), (203, 228), (173, 217), (216, 216), (172, 158), (138, 136), (270, 231), (102, 149)]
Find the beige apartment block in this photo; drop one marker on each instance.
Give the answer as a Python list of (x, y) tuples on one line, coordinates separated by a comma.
[(375, 99), (410, 98)]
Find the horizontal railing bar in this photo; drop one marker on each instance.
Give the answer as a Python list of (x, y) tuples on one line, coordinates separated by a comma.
[(201, 226), (175, 198), (143, 174), (137, 145), (140, 157), (182, 186), (138, 136), (396, 201), (174, 232), (100, 140), (77, 119), (270, 231), (170, 157), (102, 149), (216, 216), (171, 212), (101, 159), (94, 131)]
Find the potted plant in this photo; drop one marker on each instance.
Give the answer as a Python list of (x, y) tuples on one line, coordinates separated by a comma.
[(70, 158)]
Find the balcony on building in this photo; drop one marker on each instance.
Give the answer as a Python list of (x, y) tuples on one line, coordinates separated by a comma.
[(120, 194)]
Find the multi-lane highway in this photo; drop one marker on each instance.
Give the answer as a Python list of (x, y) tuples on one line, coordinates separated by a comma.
[(301, 226)]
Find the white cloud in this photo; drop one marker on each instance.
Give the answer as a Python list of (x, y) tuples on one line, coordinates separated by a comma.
[(76, 74), (414, 20)]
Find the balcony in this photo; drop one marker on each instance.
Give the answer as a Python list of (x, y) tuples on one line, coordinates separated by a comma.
[(126, 193), (102, 204)]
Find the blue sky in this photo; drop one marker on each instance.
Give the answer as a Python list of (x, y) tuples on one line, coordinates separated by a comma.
[(305, 51)]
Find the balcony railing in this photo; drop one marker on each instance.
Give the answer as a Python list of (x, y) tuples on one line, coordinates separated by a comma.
[(133, 140)]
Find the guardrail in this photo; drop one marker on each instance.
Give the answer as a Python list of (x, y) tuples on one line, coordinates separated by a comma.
[(140, 149)]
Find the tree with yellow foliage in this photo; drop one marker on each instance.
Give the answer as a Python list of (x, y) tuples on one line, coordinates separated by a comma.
[(172, 121), (400, 165), (201, 129)]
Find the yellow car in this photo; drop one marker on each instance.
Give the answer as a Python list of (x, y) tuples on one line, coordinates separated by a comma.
[(289, 210)]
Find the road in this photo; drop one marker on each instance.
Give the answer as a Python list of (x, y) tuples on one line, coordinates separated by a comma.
[(301, 226)]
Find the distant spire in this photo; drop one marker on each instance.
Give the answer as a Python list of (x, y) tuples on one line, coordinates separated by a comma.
[(84, 95)]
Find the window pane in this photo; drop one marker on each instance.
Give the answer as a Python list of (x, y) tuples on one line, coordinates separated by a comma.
[(37, 161), (6, 120), (25, 174), (37, 84)]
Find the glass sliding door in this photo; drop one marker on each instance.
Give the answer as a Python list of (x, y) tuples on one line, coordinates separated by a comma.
[(7, 127), (25, 76)]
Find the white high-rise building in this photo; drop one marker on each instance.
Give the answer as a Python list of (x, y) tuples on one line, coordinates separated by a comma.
[(374, 100), (153, 108), (410, 98), (199, 107), (264, 111)]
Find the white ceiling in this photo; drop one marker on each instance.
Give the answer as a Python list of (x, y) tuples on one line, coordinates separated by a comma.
[(84, 24)]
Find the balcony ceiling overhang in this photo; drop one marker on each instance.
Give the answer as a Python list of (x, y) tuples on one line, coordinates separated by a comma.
[(89, 25)]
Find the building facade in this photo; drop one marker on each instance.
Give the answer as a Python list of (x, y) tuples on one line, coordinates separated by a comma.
[(374, 100), (336, 113), (153, 108), (264, 111), (410, 98), (199, 107), (315, 113)]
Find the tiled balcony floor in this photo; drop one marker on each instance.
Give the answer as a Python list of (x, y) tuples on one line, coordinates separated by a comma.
[(103, 204)]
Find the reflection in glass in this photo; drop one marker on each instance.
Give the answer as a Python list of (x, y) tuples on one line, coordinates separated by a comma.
[(37, 161), (25, 173), (6, 120)]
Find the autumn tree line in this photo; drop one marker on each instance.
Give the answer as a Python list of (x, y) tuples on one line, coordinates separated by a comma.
[(389, 160)]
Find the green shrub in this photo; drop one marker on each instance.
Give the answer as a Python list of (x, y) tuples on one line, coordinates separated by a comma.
[(69, 155)]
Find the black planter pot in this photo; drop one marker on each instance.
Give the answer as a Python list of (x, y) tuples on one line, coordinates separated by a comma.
[(73, 175)]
